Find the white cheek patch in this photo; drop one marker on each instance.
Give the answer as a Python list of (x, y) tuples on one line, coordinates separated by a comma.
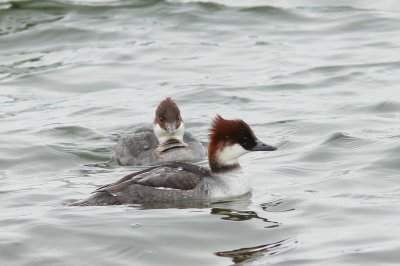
[(230, 155), (159, 132), (163, 135), (179, 132)]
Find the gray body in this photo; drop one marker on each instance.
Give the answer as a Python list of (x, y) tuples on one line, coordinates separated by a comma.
[(140, 148), (177, 182)]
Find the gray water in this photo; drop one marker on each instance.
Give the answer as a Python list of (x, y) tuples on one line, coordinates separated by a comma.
[(318, 79)]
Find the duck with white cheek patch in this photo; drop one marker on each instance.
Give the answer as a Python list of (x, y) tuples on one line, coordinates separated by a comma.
[(184, 182), (167, 142)]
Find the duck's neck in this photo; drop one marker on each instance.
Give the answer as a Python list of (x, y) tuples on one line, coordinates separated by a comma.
[(223, 158), (164, 137), (222, 168)]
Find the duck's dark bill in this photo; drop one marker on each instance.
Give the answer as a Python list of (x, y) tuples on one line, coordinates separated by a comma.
[(261, 146)]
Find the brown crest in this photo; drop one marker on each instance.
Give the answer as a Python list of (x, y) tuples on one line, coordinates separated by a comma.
[(231, 131), (228, 132)]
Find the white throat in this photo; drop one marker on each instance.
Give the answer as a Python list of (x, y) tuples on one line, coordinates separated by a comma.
[(228, 184), (229, 155), (163, 135)]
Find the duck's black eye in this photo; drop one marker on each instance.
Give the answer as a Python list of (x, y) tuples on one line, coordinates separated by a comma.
[(246, 142), (161, 119)]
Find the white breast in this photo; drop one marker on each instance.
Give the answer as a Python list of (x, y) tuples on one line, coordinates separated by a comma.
[(229, 184)]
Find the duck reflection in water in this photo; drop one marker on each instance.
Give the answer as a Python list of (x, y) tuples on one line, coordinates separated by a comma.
[(254, 253), (233, 215)]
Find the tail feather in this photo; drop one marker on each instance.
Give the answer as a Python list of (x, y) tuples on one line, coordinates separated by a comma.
[(99, 199)]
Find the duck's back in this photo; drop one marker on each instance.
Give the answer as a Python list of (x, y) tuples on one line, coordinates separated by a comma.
[(140, 148)]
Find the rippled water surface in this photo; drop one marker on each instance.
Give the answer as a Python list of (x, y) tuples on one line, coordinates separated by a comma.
[(320, 81)]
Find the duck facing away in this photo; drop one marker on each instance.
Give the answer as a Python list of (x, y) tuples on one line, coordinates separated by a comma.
[(184, 182), (167, 142)]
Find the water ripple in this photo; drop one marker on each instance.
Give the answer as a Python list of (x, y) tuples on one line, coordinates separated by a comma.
[(317, 79)]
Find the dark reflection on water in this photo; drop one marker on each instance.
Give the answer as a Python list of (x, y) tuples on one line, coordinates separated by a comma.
[(234, 215), (252, 253), (274, 206)]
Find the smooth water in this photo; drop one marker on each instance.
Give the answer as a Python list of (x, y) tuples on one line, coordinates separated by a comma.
[(318, 80)]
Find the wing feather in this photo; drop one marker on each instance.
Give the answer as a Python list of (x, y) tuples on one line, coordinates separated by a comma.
[(176, 175)]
